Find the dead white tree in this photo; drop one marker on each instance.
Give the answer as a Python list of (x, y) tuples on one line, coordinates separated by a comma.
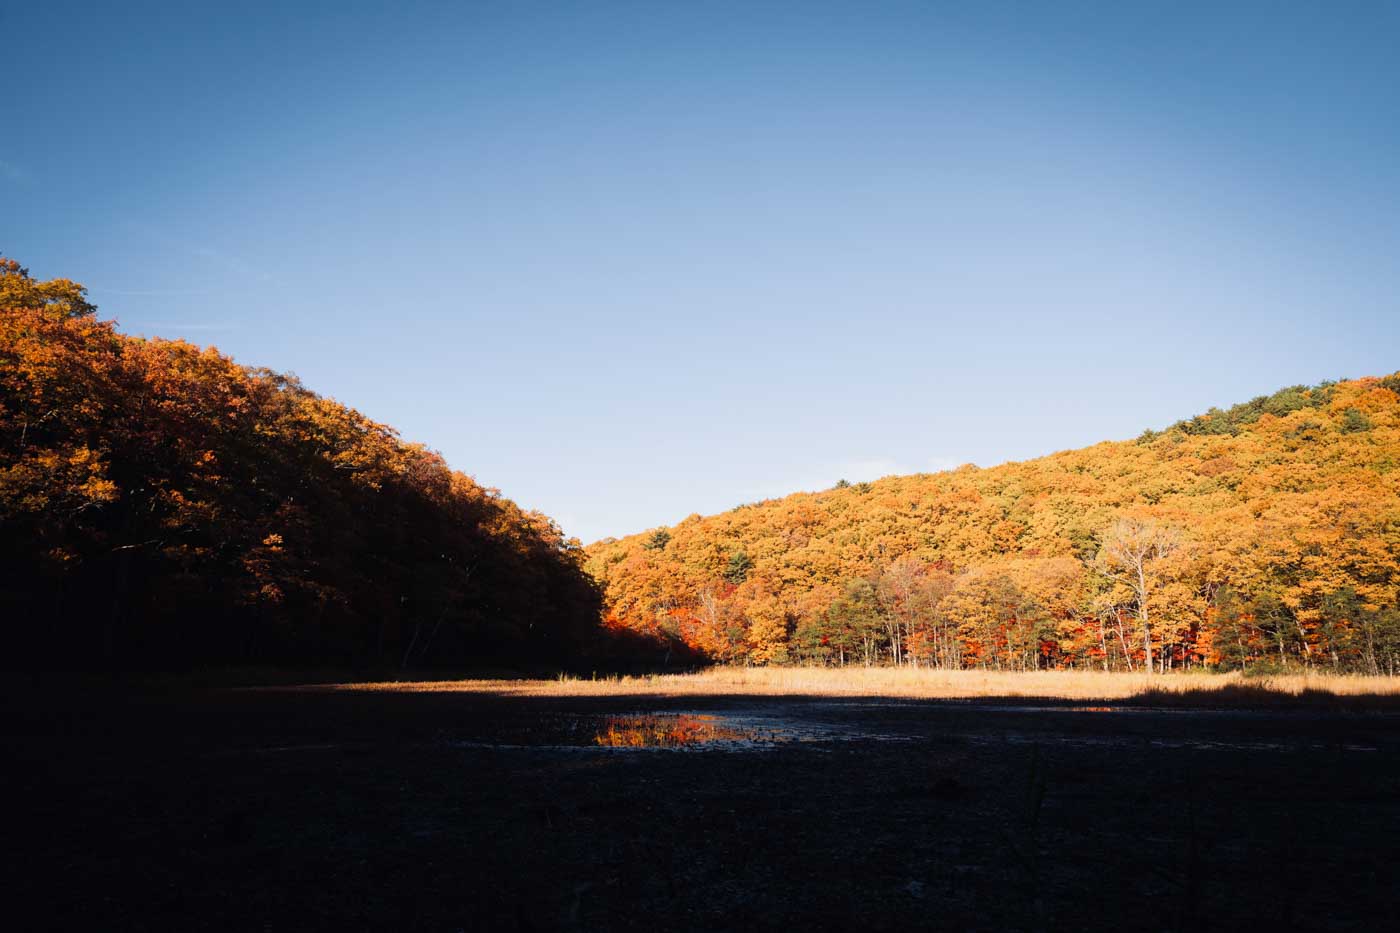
[(1132, 550)]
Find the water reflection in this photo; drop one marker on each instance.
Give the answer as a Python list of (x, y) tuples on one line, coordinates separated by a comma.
[(674, 730)]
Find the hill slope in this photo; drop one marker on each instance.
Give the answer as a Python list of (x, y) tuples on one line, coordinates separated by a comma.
[(1265, 534), (161, 505)]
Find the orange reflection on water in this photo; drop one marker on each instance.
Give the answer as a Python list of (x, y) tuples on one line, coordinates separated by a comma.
[(661, 731)]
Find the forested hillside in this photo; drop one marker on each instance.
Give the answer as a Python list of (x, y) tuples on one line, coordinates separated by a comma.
[(1267, 534), (161, 505)]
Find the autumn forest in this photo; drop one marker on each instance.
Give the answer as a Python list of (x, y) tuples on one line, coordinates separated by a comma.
[(1263, 536), (162, 505)]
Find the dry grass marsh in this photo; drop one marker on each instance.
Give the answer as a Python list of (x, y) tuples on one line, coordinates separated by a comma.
[(1170, 689)]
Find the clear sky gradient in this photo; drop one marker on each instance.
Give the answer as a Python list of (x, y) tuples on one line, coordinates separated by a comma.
[(632, 261)]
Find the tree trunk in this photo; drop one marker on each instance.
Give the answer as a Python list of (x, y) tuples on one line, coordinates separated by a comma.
[(1123, 640), (1142, 617)]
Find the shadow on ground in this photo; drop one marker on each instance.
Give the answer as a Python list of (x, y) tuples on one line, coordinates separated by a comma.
[(221, 809)]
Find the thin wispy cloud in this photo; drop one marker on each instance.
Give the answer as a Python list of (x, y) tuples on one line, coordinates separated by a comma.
[(826, 476), (231, 262), (15, 175), (218, 256), (182, 327), (152, 292)]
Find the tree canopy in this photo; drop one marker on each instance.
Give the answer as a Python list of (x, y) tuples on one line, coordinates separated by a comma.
[(1264, 534), (162, 505)]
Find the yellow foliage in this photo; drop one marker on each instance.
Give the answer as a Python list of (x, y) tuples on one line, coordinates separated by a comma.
[(1291, 501)]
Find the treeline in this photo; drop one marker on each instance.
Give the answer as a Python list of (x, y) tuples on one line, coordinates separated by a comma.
[(161, 505), (1264, 535)]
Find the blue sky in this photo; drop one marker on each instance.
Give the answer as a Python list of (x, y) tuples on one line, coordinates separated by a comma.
[(632, 261)]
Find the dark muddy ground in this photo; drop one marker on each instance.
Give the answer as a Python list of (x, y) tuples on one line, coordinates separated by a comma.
[(297, 810)]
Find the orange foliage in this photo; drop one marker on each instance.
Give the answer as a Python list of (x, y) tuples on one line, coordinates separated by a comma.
[(1287, 511), (162, 504)]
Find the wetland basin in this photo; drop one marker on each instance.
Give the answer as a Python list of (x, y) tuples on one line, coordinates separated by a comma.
[(762, 728), (285, 809), (685, 730)]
